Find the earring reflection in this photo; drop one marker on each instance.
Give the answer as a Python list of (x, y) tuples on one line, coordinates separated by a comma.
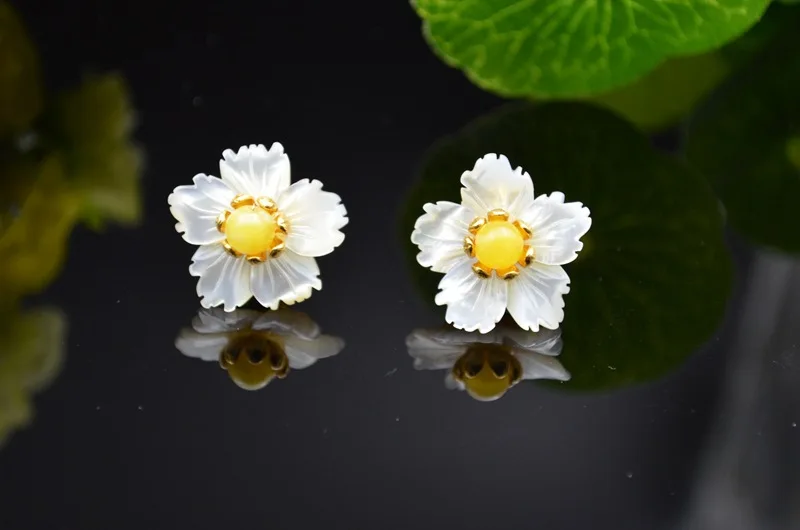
[(488, 365), (255, 347)]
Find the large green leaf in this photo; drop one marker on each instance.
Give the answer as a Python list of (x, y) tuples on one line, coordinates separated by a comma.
[(672, 91), (20, 86), (748, 145), (564, 48), (653, 279)]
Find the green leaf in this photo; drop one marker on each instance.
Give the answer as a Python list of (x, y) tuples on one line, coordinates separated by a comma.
[(669, 93), (566, 48), (653, 279), (748, 145), (37, 214), (20, 86), (31, 354), (672, 91), (91, 126)]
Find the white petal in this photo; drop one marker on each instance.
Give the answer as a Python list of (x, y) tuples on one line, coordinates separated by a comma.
[(196, 208), (473, 303), (288, 278), (204, 257), (545, 341), (314, 216), (303, 353), (288, 321), (432, 351), (224, 280), (535, 296), (439, 233), (557, 228), (493, 184), (216, 320), (537, 366), (451, 383), (205, 346), (256, 171)]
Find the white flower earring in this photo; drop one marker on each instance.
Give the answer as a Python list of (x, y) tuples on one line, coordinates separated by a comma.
[(501, 248), (258, 234)]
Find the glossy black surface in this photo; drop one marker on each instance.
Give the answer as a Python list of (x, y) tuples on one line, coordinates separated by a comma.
[(134, 435)]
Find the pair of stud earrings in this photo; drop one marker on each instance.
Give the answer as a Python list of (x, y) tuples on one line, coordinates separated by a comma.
[(501, 249)]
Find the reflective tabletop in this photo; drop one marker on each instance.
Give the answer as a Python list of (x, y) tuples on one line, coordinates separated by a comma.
[(668, 398)]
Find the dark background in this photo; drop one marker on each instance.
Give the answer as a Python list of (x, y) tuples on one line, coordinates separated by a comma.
[(134, 435)]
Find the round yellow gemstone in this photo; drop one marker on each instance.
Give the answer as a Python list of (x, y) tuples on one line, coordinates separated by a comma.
[(250, 230), (499, 245)]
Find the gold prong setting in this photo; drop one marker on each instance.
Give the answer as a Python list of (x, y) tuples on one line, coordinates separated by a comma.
[(497, 214), (476, 225), (509, 273), (481, 270), (527, 257), (524, 229), (277, 250), (229, 249), (242, 200), (469, 246), (268, 205), (222, 219)]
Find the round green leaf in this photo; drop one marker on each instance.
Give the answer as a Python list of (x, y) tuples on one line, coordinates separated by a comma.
[(748, 145), (652, 281), (565, 48)]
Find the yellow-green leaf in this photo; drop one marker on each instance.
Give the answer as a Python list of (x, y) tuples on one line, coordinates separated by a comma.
[(31, 354)]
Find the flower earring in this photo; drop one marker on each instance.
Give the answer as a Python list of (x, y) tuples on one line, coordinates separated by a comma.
[(501, 248), (258, 235)]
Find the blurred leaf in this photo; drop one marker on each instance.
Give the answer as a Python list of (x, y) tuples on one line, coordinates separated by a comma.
[(653, 279), (669, 93), (38, 213), (777, 20), (91, 126), (545, 49), (31, 354), (747, 145), (20, 86)]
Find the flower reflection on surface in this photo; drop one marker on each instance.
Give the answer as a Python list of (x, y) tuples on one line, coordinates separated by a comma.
[(255, 347), (487, 365)]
